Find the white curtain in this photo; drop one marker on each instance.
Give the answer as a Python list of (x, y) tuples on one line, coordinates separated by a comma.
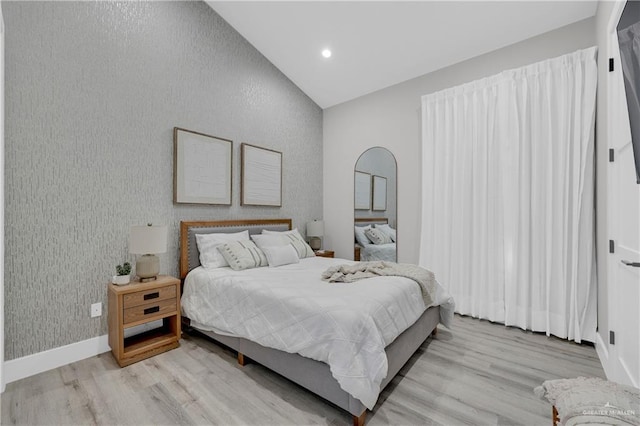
[(508, 195)]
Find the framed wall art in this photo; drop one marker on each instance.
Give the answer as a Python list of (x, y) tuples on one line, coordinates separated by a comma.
[(202, 168), (261, 176), (379, 193), (362, 191)]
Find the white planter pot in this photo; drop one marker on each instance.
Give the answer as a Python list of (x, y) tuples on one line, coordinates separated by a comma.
[(121, 279)]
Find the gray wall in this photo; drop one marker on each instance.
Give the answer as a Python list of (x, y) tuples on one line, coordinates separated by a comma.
[(93, 91), (390, 118)]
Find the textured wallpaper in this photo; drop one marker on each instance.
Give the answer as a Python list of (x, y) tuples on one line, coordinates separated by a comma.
[(93, 91)]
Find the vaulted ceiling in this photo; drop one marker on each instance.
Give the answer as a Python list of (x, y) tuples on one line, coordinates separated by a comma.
[(376, 44)]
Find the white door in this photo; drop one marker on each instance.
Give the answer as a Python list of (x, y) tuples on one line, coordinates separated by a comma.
[(624, 229)]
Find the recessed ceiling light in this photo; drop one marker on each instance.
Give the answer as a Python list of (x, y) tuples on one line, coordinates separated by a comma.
[(326, 53)]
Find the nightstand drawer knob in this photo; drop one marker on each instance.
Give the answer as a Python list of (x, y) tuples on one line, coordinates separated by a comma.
[(152, 310), (152, 295)]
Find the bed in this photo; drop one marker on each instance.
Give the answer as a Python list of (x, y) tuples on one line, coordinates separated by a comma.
[(314, 375), (365, 250)]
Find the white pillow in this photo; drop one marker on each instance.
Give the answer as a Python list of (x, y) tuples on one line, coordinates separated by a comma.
[(281, 255), (243, 255), (294, 238), (208, 245), (269, 240), (361, 238), (388, 230), (294, 231)]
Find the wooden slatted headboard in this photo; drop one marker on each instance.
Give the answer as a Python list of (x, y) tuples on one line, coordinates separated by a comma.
[(364, 221)]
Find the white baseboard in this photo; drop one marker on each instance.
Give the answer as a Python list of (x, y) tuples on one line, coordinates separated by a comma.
[(603, 353), (31, 365)]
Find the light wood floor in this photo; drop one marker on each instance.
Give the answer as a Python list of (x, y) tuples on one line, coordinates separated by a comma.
[(478, 373)]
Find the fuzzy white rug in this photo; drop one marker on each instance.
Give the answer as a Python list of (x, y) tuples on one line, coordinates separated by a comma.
[(589, 401)]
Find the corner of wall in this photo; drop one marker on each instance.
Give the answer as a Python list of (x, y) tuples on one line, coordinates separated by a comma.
[(2, 379)]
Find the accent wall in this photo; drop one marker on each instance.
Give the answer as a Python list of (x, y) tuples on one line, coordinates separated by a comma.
[(93, 91)]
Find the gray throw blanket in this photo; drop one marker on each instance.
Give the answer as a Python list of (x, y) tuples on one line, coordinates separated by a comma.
[(361, 270)]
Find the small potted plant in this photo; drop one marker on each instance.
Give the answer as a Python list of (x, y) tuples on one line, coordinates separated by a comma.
[(123, 274)]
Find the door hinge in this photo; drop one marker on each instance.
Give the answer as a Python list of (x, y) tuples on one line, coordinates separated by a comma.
[(612, 337), (612, 246), (611, 155), (610, 64)]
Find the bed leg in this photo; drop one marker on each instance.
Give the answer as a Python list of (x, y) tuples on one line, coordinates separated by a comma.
[(241, 359), (186, 325), (359, 420), (434, 333), (554, 413)]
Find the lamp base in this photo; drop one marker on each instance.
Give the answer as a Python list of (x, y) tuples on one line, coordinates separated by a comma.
[(148, 267), (315, 243)]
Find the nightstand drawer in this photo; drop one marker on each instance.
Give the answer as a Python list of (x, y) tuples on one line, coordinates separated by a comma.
[(148, 296), (150, 310)]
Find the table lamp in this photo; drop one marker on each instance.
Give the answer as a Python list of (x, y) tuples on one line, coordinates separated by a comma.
[(315, 232), (148, 241)]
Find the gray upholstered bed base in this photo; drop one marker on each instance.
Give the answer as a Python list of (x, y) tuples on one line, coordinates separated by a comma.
[(311, 374), (316, 376)]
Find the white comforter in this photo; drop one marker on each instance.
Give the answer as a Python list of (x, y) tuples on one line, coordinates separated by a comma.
[(371, 252), (291, 309)]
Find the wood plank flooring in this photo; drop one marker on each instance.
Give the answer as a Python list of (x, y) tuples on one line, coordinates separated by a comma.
[(477, 373)]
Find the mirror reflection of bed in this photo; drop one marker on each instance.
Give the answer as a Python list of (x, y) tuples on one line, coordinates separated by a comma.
[(375, 177), (367, 250)]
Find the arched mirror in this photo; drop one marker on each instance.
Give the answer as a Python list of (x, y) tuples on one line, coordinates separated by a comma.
[(375, 212)]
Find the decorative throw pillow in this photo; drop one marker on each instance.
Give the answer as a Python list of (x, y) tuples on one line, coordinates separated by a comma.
[(361, 238), (243, 255), (208, 245), (377, 236), (294, 238), (388, 230), (269, 240), (281, 255)]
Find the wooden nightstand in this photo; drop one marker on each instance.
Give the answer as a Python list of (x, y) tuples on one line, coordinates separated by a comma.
[(324, 253), (139, 303)]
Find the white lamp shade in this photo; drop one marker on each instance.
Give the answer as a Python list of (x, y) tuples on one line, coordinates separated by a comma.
[(148, 239), (315, 228)]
